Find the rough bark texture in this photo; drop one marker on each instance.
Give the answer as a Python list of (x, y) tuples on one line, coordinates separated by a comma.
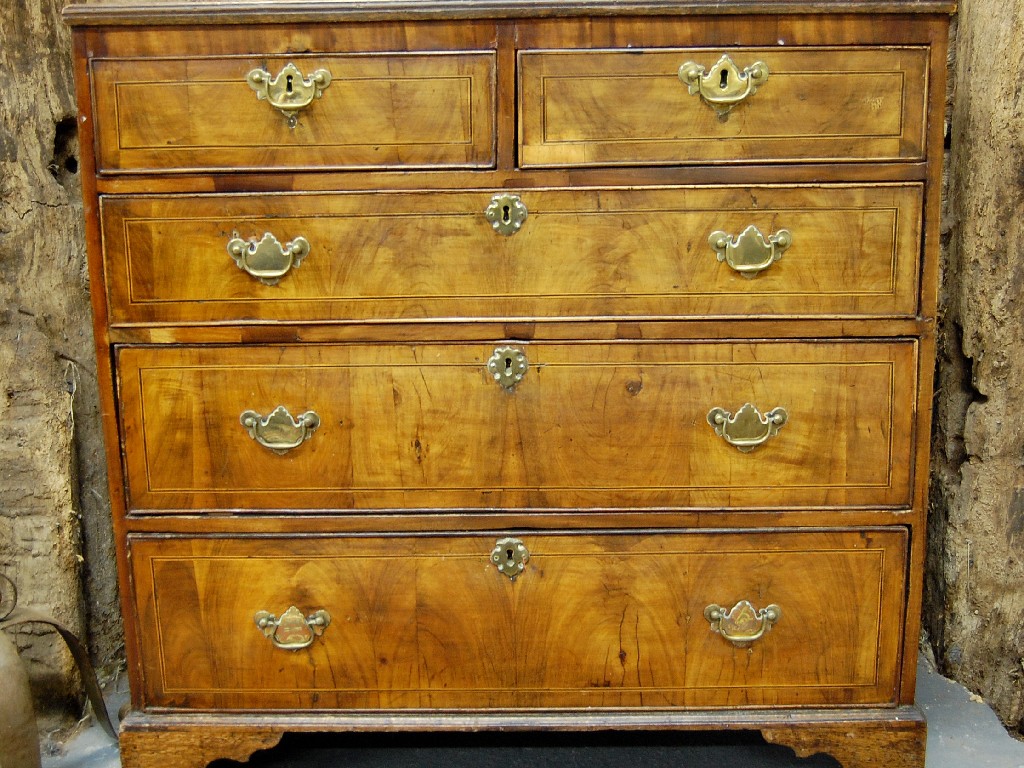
[(976, 574), (51, 464)]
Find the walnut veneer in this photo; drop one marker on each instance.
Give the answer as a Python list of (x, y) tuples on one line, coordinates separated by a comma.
[(685, 402)]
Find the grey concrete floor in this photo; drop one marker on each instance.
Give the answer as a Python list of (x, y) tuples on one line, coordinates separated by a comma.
[(963, 732)]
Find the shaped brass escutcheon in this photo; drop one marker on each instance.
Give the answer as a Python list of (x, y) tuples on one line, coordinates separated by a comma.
[(510, 557), (506, 212), (293, 631), (725, 85), (289, 92), (750, 253), (748, 428), (742, 624), (279, 431), (267, 260), (507, 366)]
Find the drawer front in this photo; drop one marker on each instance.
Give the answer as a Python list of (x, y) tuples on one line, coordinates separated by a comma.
[(378, 111), (589, 426), (851, 250), (622, 107), (592, 621)]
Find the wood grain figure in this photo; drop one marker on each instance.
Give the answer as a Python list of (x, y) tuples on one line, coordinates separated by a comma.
[(634, 300)]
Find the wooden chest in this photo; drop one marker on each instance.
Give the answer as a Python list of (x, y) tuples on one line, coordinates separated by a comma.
[(516, 366)]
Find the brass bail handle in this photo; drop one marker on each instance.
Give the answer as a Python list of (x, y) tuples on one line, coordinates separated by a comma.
[(289, 91), (724, 85), (280, 432), (748, 428), (293, 631), (742, 624), (267, 259), (750, 252)]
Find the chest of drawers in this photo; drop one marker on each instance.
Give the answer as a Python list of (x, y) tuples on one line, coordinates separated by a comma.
[(533, 366)]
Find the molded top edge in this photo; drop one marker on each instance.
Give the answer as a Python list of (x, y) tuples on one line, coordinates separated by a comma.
[(138, 12)]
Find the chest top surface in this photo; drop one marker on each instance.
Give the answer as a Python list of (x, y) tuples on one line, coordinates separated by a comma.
[(92, 12)]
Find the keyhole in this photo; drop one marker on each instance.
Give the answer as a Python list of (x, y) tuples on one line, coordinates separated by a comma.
[(509, 553), (724, 80), (505, 214), (508, 367), (288, 84)]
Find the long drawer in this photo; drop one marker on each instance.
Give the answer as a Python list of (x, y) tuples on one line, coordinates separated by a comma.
[(590, 621), (368, 111), (807, 251), (635, 106), (589, 425)]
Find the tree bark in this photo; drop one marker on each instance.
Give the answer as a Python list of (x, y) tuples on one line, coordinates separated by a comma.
[(48, 401), (976, 576)]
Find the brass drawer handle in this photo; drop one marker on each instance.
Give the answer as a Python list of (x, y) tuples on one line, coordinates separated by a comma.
[(510, 557), (725, 85), (748, 428), (508, 366), (292, 631), (742, 624), (750, 253), (279, 431), (267, 260), (506, 213), (289, 92)]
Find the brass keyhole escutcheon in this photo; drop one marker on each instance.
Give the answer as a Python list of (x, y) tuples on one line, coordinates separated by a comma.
[(724, 85), (289, 91), (510, 557), (506, 213), (507, 366)]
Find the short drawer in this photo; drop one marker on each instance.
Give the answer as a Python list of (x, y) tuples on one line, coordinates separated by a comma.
[(806, 251), (632, 107), (596, 620), (377, 111), (619, 425)]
